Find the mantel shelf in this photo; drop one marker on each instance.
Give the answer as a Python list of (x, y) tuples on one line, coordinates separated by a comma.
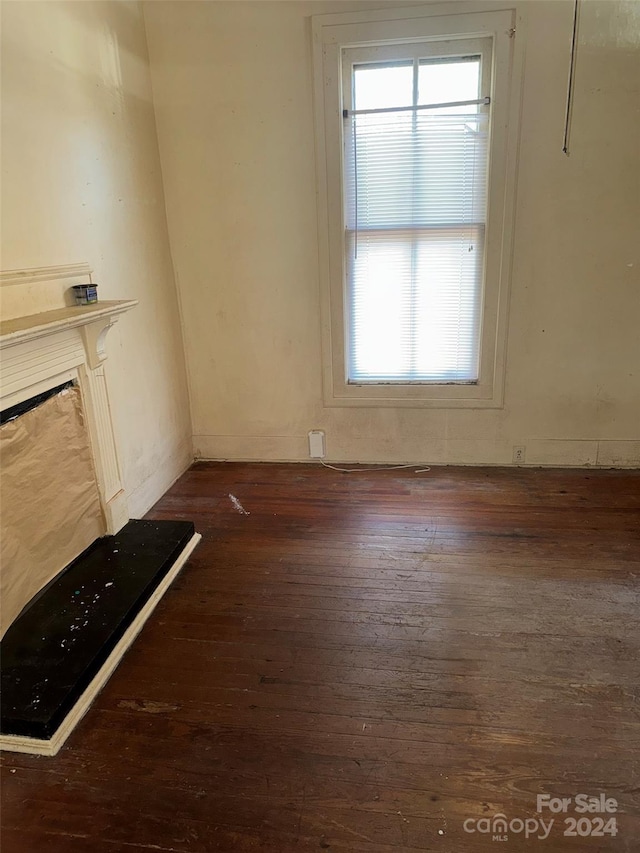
[(22, 329)]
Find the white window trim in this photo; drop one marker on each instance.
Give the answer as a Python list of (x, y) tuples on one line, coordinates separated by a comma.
[(332, 33)]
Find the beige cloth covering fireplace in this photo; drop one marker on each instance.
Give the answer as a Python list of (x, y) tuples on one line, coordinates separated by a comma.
[(49, 496)]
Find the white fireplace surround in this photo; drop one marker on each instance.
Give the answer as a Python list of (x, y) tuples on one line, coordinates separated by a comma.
[(42, 350), (39, 351)]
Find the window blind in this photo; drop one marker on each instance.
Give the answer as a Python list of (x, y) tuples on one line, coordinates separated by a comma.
[(415, 188)]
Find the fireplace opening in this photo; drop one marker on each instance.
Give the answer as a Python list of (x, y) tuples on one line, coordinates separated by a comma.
[(51, 508), (13, 412)]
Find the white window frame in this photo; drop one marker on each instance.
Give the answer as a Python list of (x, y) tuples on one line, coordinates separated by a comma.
[(331, 35)]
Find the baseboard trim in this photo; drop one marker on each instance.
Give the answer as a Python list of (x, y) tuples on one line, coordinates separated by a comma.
[(51, 746), (384, 450)]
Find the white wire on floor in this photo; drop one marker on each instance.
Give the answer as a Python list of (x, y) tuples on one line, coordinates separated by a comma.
[(377, 468)]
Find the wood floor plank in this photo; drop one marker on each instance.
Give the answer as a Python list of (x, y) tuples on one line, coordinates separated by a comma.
[(361, 663)]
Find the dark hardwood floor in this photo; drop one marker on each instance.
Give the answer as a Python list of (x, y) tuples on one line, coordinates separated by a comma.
[(363, 662)]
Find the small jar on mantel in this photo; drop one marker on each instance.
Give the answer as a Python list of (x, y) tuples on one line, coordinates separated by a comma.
[(85, 294)]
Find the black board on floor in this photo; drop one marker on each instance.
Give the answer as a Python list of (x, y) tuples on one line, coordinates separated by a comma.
[(59, 642)]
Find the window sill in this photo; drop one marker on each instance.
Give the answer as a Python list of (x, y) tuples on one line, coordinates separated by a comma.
[(452, 396)]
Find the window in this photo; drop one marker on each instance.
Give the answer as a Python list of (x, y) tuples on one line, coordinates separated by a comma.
[(413, 120), (414, 179)]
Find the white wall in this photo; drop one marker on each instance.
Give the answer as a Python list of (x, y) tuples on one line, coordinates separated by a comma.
[(81, 182), (232, 82)]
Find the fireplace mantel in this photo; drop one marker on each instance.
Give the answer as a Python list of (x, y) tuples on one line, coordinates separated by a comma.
[(94, 321), (36, 325), (40, 351)]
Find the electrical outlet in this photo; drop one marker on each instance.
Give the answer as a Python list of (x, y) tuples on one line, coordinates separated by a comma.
[(519, 452), (316, 444)]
